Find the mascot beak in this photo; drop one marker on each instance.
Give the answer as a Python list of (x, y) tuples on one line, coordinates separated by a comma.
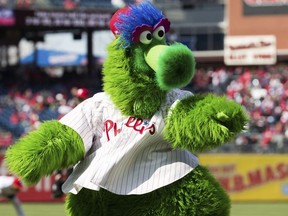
[(152, 56), (174, 65)]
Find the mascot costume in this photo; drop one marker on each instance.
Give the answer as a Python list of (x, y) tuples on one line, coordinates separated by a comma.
[(133, 145)]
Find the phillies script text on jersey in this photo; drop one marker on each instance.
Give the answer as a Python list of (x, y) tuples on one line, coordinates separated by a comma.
[(136, 124)]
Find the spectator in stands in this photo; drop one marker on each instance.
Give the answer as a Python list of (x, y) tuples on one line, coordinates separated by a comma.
[(82, 94), (10, 186), (24, 3), (69, 4), (6, 140)]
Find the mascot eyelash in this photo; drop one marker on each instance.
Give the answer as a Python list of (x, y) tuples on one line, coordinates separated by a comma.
[(144, 16)]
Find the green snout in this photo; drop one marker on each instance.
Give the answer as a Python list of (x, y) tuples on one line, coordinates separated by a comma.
[(174, 65)]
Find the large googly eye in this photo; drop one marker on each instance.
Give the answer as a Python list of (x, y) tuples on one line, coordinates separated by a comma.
[(159, 33), (146, 37)]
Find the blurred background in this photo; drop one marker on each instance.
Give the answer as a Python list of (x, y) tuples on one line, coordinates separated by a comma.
[(52, 51)]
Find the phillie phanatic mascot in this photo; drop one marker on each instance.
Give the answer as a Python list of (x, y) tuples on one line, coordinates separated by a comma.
[(132, 146)]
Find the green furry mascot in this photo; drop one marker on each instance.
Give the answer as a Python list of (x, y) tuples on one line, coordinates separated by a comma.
[(132, 146)]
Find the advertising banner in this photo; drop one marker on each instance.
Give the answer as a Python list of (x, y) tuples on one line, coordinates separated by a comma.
[(265, 7), (250, 177), (250, 50), (246, 177)]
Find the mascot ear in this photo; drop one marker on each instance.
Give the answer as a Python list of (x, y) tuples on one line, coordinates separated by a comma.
[(115, 18)]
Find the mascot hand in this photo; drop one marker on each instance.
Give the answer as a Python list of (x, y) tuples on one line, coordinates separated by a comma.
[(52, 146), (204, 122)]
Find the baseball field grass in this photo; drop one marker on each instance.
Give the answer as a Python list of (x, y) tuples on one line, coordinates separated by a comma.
[(238, 209)]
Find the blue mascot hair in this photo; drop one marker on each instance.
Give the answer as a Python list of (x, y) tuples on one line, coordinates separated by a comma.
[(144, 13)]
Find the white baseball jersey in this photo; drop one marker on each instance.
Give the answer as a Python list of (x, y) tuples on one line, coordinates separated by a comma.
[(125, 155)]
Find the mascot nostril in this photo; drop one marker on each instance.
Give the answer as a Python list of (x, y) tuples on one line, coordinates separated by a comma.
[(132, 146)]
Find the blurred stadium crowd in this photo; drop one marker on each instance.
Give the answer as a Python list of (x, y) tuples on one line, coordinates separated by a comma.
[(263, 90), (34, 96)]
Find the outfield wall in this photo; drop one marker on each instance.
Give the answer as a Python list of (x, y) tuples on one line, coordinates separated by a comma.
[(246, 177), (250, 177)]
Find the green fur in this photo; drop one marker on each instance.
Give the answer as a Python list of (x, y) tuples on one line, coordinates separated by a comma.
[(204, 122), (197, 123), (52, 146), (127, 80), (197, 194), (135, 88), (176, 67), (139, 88)]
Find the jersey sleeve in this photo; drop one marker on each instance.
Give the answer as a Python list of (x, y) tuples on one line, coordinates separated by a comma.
[(177, 96), (80, 120)]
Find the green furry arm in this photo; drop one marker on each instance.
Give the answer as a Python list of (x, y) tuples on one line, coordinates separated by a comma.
[(52, 146), (204, 122)]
